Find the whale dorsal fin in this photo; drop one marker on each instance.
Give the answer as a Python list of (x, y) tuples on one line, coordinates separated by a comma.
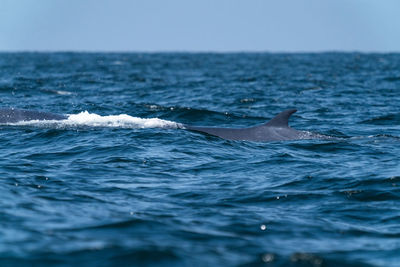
[(281, 120)]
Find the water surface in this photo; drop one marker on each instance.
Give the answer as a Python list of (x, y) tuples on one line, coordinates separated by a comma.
[(113, 189)]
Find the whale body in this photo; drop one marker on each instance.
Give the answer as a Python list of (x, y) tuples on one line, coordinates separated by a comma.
[(277, 129), (15, 115)]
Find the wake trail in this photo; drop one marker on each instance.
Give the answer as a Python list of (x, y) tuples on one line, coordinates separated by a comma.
[(86, 119)]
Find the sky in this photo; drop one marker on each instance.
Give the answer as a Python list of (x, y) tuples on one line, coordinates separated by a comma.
[(200, 25)]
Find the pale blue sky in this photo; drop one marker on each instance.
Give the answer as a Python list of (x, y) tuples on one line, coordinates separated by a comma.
[(202, 25)]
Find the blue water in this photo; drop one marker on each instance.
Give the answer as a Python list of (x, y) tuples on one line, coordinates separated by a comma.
[(121, 190)]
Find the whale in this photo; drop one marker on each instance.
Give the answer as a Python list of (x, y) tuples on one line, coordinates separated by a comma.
[(12, 115), (277, 129)]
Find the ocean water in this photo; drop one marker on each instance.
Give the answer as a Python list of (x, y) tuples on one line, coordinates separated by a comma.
[(121, 183)]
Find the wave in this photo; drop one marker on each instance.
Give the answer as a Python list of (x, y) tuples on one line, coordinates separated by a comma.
[(86, 119), (388, 119)]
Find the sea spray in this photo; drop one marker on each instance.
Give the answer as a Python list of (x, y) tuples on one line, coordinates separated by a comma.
[(86, 119)]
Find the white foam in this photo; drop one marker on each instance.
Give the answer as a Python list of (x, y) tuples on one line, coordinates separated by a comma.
[(60, 92), (94, 120)]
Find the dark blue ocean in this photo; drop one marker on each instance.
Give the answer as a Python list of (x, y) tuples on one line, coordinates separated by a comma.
[(121, 183)]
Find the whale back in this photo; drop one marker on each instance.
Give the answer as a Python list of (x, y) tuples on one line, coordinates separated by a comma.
[(16, 115), (274, 130)]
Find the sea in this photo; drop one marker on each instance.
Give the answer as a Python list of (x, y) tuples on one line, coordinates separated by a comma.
[(121, 182)]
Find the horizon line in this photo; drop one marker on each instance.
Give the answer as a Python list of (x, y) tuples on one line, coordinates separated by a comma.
[(331, 51)]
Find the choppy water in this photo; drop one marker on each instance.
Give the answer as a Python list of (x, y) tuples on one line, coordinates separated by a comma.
[(104, 188)]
